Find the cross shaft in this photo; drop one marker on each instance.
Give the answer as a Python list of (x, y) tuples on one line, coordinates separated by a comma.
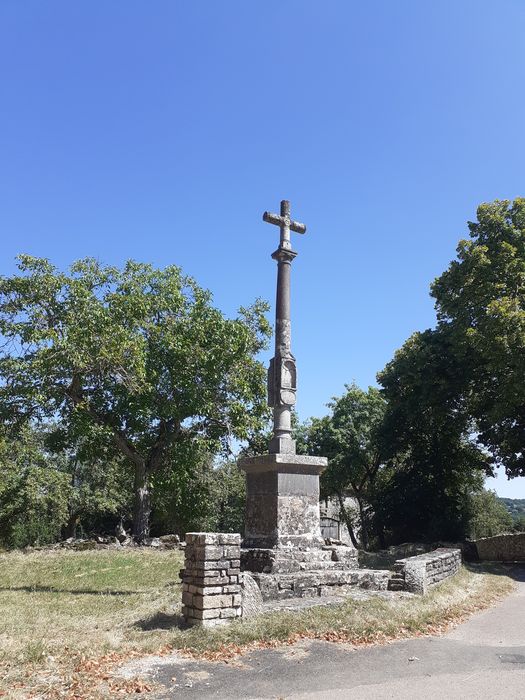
[(282, 374)]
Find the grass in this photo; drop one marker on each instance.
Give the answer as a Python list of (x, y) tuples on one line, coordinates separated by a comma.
[(68, 614)]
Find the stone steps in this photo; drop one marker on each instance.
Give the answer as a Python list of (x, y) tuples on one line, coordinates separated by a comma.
[(396, 581)]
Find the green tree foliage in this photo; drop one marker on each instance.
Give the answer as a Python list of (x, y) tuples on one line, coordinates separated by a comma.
[(45, 495), (455, 393), (516, 508), (351, 439), (480, 300), (200, 496), (34, 491), (434, 464), (488, 516), (132, 363), (229, 498)]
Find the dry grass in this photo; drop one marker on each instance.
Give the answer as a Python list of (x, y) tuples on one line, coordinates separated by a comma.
[(58, 607), (68, 617)]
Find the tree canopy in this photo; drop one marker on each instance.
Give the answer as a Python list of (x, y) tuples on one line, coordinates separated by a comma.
[(455, 393), (480, 301), (350, 436), (134, 362)]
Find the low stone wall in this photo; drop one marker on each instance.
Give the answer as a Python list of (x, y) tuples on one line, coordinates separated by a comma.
[(416, 574), (319, 583), (211, 579), (508, 547)]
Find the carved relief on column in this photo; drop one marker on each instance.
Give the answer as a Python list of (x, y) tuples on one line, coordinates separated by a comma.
[(282, 381)]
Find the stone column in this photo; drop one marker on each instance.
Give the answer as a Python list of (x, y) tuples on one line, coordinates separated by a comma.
[(282, 488), (211, 579)]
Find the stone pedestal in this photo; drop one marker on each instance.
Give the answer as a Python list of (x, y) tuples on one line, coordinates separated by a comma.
[(211, 578), (282, 501)]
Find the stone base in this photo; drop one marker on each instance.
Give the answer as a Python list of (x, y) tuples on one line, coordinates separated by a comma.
[(282, 500), (320, 583), (293, 559)]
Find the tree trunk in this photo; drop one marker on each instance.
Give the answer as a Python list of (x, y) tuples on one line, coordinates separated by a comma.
[(347, 519), (362, 517), (70, 529), (142, 504)]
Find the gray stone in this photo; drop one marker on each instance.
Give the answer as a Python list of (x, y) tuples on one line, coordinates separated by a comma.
[(282, 374), (209, 595), (419, 572), (282, 500), (317, 583), (507, 547)]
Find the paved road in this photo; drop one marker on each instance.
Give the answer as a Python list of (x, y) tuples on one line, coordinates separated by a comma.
[(483, 658)]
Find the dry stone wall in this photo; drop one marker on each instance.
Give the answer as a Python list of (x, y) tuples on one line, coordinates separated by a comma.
[(508, 547), (416, 574), (211, 579)]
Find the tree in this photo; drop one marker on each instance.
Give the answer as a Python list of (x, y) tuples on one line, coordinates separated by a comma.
[(351, 439), (45, 495), (435, 464), (488, 516), (130, 362), (480, 301), (34, 491)]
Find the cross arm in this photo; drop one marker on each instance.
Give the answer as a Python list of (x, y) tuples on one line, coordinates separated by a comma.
[(283, 221), (297, 227)]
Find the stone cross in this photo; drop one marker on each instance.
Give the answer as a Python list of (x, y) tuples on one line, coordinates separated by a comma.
[(282, 374)]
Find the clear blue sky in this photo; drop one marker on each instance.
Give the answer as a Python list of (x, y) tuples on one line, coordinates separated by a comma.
[(162, 130)]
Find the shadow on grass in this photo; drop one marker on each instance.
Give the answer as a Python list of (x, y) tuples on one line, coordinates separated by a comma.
[(77, 591), (513, 571), (162, 621)]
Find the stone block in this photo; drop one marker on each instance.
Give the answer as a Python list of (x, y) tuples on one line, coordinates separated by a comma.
[(211, 580), (187, 598), (228, 613), (205, 602), (251, 597), (208, 614), (218, 565), (208, 590), (212, 538), (208, 553)]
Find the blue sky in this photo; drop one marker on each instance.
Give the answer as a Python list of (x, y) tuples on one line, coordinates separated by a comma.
[(161, 132)]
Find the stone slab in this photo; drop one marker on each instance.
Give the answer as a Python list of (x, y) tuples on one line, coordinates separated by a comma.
[(317, 584), (305, 464)]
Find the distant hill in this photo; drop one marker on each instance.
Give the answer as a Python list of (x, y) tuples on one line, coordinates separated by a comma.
[(515, 506)]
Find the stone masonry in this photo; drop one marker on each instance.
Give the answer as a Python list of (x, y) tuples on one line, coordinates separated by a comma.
[(211, 579), (416, 574), (507, 547)]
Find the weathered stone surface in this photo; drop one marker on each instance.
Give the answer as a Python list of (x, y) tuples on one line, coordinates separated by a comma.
[(319, 583), (209, 595), (301, 464), (425, 570), (508, 547), (213, 538), (282, 501), (344, 554), (205, 602), (282, 375), (290, 559)]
